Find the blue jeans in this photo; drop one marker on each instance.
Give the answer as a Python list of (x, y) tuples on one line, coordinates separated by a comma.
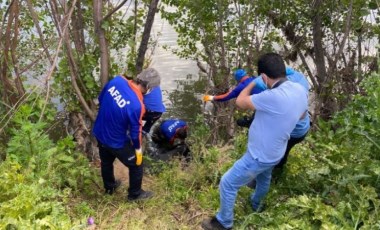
[(242, 172)]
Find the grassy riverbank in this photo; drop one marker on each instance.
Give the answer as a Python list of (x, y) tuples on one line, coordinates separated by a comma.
[(331, 181)]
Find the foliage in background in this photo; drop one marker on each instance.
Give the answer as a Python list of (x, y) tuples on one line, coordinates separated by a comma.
[(120, 33), (332, 42), (39, 177), (66, 51)]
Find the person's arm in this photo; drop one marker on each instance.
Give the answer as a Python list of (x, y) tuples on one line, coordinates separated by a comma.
[(136, 127), (157, 135), (244, 101), (231, 94)]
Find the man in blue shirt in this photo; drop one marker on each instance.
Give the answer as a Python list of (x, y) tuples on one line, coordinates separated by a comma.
[(118, 129), (154, 108), (277, 113), (300, 131)]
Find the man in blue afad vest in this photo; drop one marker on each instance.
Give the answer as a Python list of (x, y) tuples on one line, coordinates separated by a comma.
[(277, 112), (169, 139), (118, 129)]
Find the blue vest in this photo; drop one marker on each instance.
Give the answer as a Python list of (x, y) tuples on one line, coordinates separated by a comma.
[(169, 127), (120, 114), (153, 100)]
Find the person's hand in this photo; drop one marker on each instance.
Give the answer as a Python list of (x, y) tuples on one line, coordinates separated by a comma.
[(138, 153), (208, 98)]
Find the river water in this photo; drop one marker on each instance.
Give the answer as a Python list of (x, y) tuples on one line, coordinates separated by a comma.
[(171, 67), (181, 102)]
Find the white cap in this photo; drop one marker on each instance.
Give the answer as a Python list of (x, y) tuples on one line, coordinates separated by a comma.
[(150, 77)]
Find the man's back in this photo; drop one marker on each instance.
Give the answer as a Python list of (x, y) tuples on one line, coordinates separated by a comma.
[(277, 112), (153, 100), (121, 109)]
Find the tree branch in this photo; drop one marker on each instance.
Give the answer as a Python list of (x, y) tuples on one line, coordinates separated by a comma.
[(39, 31), (103, 43), (4, 19), (52, 68), (346, 33), (317, 40), (146, 34), (311, 76), (74, 71), (15, 63), (113, 11)]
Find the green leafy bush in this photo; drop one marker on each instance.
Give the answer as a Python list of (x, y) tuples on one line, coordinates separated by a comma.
[(39, 177)]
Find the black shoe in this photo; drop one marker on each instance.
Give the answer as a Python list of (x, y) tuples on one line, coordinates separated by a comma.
[(252, 184), (143, 196), (212, 224), (113, 189), (244, 121), (260, 209)]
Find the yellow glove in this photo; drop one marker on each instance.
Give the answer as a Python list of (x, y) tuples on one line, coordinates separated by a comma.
[(208, 98), (138, 156)]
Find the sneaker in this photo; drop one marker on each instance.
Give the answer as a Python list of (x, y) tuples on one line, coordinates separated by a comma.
[(112, 190), (212, 224), (260, 209), (143, 196)]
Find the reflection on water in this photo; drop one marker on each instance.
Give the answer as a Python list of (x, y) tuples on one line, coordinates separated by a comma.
[(184, 101), (170, 67)]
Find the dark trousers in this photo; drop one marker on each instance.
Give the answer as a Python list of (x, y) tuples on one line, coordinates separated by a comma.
[(126, 156), (150, 118), (291, 143)]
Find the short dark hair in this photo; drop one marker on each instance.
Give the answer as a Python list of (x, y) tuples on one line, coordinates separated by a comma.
[(272, 65), (181, 133)]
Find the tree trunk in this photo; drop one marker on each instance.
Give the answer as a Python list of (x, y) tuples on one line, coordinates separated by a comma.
[(85, 142), (10, 94), (15, 61), (102, 40), (146, 35), (74, 73), (324, 89), (223, 58), (78, 29)]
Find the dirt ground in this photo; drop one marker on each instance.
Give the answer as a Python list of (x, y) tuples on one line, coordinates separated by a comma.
[(121, 173)]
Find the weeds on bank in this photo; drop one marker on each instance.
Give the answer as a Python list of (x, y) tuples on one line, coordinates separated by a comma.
[(40, 178)]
